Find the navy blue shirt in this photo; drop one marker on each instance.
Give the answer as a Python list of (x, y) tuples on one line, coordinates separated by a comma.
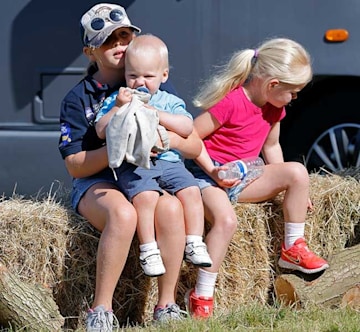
[(78, 112)]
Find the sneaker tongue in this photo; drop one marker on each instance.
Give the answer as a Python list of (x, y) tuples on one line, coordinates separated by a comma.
[(172, 308), (300, 241), (99, 308)]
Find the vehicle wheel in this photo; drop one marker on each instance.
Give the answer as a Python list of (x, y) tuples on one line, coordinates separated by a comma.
[(336, 149), (322, 127)]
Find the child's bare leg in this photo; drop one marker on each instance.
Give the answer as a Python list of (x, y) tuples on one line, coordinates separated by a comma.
[(145, 204), (291, 178), (150, 258), (191, 201), (195, 250)]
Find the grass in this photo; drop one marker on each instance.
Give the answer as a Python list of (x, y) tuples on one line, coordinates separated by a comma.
[(260, 318), (264, 318)]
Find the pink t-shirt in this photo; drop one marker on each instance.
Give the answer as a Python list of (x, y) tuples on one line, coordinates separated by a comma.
[(244, 127)]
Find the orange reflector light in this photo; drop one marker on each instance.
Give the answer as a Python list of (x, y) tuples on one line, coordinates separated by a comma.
[(336, 35)]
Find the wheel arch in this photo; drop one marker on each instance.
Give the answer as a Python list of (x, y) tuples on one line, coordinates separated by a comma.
[(325, 102)]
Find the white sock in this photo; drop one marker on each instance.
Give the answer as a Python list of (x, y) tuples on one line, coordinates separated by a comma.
[(293, 231), (205, 283), (193, 238), (148, 246)]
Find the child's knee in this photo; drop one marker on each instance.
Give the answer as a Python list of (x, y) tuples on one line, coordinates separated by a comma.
[(190, 193), (299, 173), (229, 224), (169, 206)]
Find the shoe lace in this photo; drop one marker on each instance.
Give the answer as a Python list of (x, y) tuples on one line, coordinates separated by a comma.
[(112, 321), (104, 320), (305, 252), (173, 311), (98, 319)]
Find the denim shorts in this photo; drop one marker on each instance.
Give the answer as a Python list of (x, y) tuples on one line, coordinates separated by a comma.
[(173, 177), (81, 186), (205, 180), (163, 175)]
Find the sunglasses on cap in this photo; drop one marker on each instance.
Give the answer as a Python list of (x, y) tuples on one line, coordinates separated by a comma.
[(98, 22)]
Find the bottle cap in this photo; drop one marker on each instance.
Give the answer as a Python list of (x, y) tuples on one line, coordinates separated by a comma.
[(222, 174)]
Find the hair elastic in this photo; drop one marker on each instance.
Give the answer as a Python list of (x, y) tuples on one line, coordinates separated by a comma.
[(255, 57)]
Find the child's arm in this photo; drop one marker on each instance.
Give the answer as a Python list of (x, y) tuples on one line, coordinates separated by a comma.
[(271, 149), (178, 123), (205, 162), (207, 165), (206, 124), (189, 147), (110, 107), (176, 118)]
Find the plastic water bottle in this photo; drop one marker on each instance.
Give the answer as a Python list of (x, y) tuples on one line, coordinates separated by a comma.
[(246, 170)]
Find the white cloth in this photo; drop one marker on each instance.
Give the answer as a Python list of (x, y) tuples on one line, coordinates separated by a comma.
[(132, 132)]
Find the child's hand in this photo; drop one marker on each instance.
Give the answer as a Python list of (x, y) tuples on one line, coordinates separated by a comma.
[(150, 107), (310, 205), (153, 154), (224, 183), (124, 96)]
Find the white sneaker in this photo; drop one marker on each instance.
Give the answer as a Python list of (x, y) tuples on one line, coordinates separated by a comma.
[(151, 263), (100, 320), (171, 312), (196, 253)]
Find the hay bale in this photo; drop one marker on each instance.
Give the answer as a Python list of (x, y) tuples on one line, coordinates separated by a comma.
[(334, 222), (43, 241)]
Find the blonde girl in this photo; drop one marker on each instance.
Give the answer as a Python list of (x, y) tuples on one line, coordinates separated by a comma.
[(242, 106)]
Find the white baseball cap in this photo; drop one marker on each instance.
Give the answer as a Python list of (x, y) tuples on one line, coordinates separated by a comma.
[(98, 23)]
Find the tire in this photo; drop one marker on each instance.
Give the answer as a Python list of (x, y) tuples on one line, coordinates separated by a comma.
[(336, 149), (322, 128)]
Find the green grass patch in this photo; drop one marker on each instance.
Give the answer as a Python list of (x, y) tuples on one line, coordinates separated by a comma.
[(265, 318)]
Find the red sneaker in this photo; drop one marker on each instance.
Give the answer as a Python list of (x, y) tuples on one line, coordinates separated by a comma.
[(299, 257), (199, 306)]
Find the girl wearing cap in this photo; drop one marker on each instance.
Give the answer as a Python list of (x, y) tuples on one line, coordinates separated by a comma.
[(106, 31)]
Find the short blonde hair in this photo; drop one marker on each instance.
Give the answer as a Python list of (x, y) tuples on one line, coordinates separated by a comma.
[(149, 45)]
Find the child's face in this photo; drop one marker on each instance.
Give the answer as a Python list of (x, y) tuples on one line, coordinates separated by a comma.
[(111, 54), (281, 94), (146, 71)]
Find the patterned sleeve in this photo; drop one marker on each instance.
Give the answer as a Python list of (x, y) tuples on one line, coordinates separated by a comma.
[(73, 126), (108, 104)]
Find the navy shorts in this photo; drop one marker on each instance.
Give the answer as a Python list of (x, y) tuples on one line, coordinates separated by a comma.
[(164, 175), (205, 180), (80, 186)]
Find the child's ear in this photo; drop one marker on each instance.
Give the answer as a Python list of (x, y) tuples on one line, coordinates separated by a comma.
[(89, 52), (273, 83), (165, 76)]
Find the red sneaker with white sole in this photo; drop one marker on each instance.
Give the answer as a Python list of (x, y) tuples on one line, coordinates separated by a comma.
[(300, 257), (199, 306)]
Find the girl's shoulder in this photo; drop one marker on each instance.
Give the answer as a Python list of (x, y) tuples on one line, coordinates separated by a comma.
[(234, 98), (235, 94)]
